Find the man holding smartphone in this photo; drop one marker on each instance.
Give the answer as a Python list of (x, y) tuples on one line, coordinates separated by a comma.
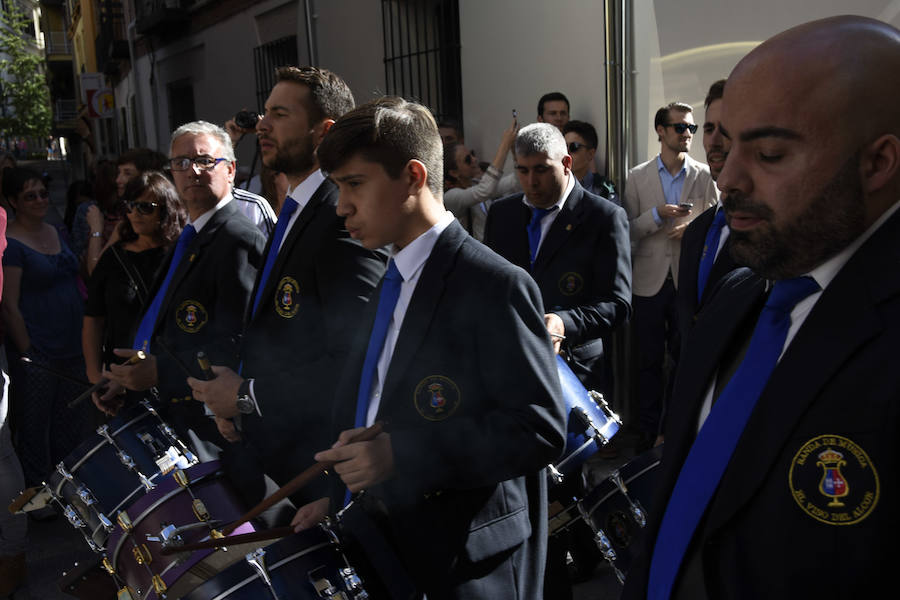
[(662, 196)]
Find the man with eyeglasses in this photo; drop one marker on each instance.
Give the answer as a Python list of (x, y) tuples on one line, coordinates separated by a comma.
[(662, 196), (203, 287), (314, 285)]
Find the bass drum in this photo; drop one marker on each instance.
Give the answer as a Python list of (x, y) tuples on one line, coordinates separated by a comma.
[(127, 458), (305, 566), (189, 507)]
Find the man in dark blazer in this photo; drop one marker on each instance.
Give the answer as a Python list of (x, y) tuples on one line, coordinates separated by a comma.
[(305, 309), (465, 381), (583, 260), (689, 295), (805, 505), (203, 304)]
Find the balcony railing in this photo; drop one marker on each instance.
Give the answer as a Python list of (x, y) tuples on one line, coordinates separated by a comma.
[(57, 42), (65, 109)]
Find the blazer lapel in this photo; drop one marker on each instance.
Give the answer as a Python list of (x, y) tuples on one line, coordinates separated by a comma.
[(193, 252), (568, 219), (809, 362), (423, 304), (690, 175)]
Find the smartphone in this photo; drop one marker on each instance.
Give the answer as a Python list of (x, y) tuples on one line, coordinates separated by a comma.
[(686, 205), (515, 115)]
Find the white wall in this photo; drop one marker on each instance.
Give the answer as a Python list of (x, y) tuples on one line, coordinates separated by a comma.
[(514, 51), (349, 42)]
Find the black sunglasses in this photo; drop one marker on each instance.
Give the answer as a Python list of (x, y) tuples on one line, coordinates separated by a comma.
[(470, 157), (144, 208), (576, 146), (681, 127), (32, 196)]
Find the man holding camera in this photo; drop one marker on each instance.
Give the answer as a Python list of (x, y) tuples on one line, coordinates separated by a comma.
[(662, 196), (315, 279)]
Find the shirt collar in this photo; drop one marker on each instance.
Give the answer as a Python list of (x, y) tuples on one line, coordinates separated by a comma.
[(411, 258), (661, 167), (203, 219), (828, 270), (306, 188)]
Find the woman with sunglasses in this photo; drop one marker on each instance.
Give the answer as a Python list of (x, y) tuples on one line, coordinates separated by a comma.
[(42, 312), (120, 284), (463, 196)]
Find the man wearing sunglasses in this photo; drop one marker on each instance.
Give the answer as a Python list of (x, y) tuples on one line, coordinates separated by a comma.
[(203, 287), (662, 195), (581, 139)]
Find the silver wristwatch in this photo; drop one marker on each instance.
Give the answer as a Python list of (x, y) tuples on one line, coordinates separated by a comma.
[(245, 404)]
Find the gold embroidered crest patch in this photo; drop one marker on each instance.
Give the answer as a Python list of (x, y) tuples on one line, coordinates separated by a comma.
[(191, 316), (570, 283), (436, 397), (287, 295), (833, 480)]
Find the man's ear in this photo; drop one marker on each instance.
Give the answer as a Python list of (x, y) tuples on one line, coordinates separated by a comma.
[(417, 175), (879, 164), (321, 129), (567, 163)]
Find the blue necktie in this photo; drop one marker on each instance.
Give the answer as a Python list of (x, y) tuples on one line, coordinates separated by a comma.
[(716, 441), (534, 230), (708, 258), (145, 329), (287, 209), (387, 301)]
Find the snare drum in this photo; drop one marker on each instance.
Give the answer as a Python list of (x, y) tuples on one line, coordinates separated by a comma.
[(591, 423), (305, 566), (106, 473), (189, 507), (615, 509)]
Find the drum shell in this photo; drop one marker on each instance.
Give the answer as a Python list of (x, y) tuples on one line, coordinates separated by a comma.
[(608, 509), (291, 563), (96, 465), (170, 504)]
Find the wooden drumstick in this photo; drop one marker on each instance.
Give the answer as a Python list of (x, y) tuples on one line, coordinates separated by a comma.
[(234, 540), (135, 358), (301, 480)]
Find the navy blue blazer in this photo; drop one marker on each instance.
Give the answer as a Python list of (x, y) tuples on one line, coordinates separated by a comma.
[(296, 343), (474, 410), (583, 269), (831, 409)]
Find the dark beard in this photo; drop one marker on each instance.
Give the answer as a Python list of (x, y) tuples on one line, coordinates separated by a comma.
[(828, 225), (299, 158)]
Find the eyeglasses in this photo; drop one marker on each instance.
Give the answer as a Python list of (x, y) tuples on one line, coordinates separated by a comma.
[(576, 146), (32, 196), (682, 127), (470, 157), (144, 208), (204, 163)]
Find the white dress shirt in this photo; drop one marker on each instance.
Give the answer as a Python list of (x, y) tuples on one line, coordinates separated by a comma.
[(203, 219), (410, 261)]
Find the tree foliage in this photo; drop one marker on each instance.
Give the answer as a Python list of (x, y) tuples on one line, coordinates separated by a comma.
[(24, 95)]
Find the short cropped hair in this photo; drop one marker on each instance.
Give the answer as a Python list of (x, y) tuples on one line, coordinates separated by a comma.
[(144, 159), (389, 131), (15, 179), (541, 138), (662, 115), (206, 128), (551, 97), (172, 215), (584, 129), (715, 93), (329, 95)]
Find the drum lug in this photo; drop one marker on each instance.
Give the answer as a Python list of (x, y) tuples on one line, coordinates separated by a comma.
[(168, 537), (125, 459), (126, 593), (85, 495), (124, 521), (257, 560), (609, 553), (324, 589), (353, 583), (61, 469), (635, 508), (598, 398), (554, 475), (73, 517), (105, 522)]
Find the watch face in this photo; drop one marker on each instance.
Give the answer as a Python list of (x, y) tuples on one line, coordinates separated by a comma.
[(245, 404)]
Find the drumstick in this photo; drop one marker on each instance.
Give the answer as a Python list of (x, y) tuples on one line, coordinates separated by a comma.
[(300, 480), (234, 540), (54, 372), (135, 358)]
